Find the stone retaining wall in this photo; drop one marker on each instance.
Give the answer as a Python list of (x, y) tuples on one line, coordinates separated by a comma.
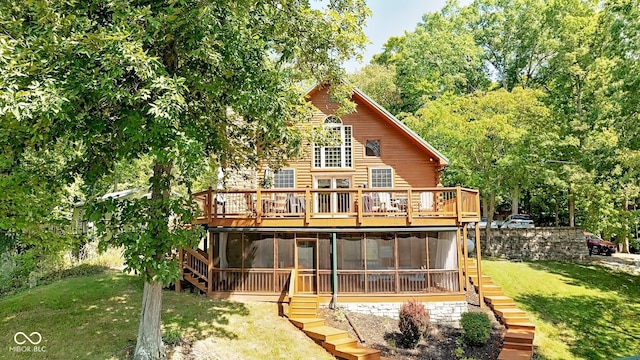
[(439, 312), (536, 244)]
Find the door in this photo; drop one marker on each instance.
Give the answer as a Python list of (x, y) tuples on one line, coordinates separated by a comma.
[(306, 265), (333, 201)]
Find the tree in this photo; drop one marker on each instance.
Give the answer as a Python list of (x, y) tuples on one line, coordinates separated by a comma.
[(488, 137), (377, 81), (177, 82), (439, 56)]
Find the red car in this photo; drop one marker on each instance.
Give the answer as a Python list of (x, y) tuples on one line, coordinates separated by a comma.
[(597, 246)]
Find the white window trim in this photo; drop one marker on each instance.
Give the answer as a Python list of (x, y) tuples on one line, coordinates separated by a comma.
[(379, 168), (294, 178), (343, 147)]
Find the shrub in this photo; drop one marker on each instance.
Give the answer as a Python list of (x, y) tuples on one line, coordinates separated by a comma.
[(476, 328), (172, 337), (414, 321)]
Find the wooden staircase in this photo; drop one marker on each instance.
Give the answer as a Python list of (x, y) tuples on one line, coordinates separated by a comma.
[(520, 332), (303, 312)]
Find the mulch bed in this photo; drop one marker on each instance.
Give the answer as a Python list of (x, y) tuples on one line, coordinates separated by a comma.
[(440, 342)]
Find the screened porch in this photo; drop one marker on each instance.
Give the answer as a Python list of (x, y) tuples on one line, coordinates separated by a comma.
[(366, 263)]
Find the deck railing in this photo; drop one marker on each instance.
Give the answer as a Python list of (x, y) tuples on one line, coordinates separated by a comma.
[(349, 281), (220, 207)]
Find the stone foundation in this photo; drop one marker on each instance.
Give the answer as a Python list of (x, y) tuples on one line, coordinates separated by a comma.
[(439, 312), (536, 244)]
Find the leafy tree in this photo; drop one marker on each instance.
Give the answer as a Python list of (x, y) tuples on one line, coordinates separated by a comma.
[(488, 137), (377, 81), (175, 82), (439, 56)]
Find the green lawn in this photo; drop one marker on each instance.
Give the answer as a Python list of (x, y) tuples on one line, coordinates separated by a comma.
[(96, 317), (581, 311)]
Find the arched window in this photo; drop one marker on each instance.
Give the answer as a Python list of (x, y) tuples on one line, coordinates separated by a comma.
[(337, 155)]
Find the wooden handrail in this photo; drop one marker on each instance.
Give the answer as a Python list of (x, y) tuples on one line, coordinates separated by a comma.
[(197, 255), (292, 283)]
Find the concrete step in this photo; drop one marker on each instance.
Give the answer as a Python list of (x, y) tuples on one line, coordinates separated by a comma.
[(325, 333), (333, 345), (306, 323), (357, 353), (512, 354)]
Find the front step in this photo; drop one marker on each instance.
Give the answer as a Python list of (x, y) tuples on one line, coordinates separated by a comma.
[(303, 307), (325, 333), (510, 313), (357, 353), (520, 325), (517, 346), (500, 301), (519, 336), (333, 345), (306, 323), (512, 354)]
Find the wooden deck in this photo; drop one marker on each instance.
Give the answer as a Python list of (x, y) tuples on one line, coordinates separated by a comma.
[(360, 207)]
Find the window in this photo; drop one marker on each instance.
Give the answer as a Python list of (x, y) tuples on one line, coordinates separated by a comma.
[(373, 148), (338, 155), (381, 178), (284, 178)]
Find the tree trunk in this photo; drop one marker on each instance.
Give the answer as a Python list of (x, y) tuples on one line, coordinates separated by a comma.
[(515, 197), (491, 208), (572, 210), (149, 344)]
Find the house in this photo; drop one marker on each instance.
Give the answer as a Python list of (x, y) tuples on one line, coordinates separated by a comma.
[(362, 222)]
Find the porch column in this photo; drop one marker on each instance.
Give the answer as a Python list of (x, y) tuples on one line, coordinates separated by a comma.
[(334, 271), (210, 264), (479, 265)]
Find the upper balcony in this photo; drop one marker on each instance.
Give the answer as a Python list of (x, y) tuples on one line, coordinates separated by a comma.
[(297, 208)]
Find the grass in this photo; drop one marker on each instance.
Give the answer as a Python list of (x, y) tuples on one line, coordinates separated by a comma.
[(96, 317), (581, 311)]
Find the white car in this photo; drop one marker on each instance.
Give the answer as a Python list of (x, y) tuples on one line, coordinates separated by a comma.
[(482, 224), (518, 221)]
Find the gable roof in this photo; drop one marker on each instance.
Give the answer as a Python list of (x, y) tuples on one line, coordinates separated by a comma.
[(361, 97)]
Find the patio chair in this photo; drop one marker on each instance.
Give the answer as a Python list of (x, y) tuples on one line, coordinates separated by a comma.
[(385, 202), (426, 201)]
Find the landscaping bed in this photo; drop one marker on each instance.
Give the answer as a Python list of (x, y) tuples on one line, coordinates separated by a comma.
[(440, 342)]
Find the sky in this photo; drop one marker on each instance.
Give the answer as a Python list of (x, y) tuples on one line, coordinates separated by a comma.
[(392, 18)]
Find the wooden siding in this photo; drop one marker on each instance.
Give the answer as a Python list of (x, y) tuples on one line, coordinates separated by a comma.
[(412, 165)]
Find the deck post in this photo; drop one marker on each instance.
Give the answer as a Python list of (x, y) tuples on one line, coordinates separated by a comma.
[(479, 265), (334, 271), (360, 206), (258, 206), (210, 263), (180, 261), (307, 208), (207, 204), (465, 239), (409, 208), (459, 203), (459, 249)]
